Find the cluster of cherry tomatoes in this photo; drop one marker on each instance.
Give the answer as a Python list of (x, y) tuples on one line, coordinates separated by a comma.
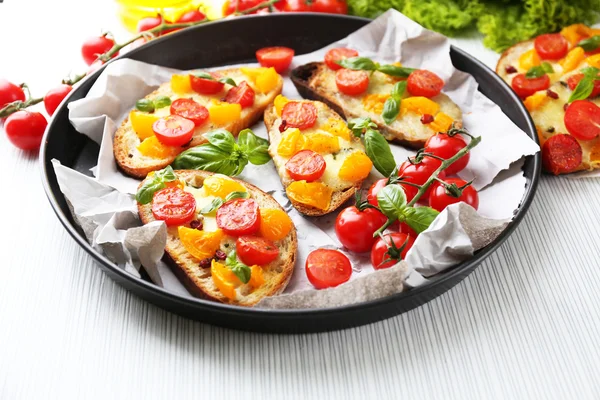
[(322, 6)]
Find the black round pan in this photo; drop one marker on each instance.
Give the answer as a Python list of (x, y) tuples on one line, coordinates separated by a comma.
[(235, 41)]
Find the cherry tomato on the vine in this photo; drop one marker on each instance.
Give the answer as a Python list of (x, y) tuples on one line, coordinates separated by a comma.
[(25, 129), (231, 6), (321, 6), (446, 147), (55, 96), (384, 255), (355, 228), (191, 16), (419, 174), (145, 24), (327, 268), (10, 92), (439, 199), (278, 57), (409, 191), (96, 46)]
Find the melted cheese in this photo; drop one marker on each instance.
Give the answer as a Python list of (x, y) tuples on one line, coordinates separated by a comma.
[(209, 222)]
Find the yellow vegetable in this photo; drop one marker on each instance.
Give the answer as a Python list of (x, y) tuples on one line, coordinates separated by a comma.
[(223, 113), (574, 33), (419, 105), (535, 101), (253, 73), (441, 122), (142, 122), (221, 185), (224, 279), (356, 167), (151, 147), (180, 84), (275, 224), (322, 143), (256, 276), (291, 142), (314, 194), (280, 102), (200, 244), (374, 102), (573, 59), (594, 60), (267, 81), (529, 59), (336, 127)]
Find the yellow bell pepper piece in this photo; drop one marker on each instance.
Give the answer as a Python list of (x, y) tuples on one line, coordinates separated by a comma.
[(574, 33), (594, 60), (535, 101), (253, 73), (314, 194), (374, 102), (224, 279), (257, 278), (279, 103), (441, 122), (223, 113), (200, 244), (142, 122), (356, 167), (267, 81), (275, 224), (151, 147), (419, 105), (529, 59), (181, 84), (221, 185), (572, 59), (337, 127), (291, 142), (322, 143)]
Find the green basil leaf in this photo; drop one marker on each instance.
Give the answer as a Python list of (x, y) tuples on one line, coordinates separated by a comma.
[(394, 70), (212, 207), (358, 125), (221, 139), (145, 105), (358, 63), (256, 148), (228, 81), (205, 157), (236, 195), (146, 192), (378, 150), (398, 90), (392, 201), (162, 101), (591, 72), (583, 90), (590, 44), (241, 270), (391, 109), (240, 164), (419, 218), (204, 75), (166, 174), (539, 70)]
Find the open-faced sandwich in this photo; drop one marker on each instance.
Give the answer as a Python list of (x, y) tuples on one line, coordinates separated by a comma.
[(227, 240), (176, 115), (406, 104), (320, 162)]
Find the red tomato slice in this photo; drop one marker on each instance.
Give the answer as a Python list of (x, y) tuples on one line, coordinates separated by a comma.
[(174, 206), (446, 147), (551, 46), (424, 83), (239, 217), (573, 81), (174, 130), (301, 115), (334, 55), (561, 154), (254, 250), (382, 246), (525, 87), (582, 119), (241, 94), (279, 57), (439, 199), (327, 268), (351, 82), (189, 109), (306, 165), (206, 86)]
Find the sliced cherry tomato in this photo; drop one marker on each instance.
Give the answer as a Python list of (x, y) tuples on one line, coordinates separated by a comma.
[(551, 46), (306, 165), (55, 96), (25, 129), (206, 86), (561, 154), (351, 82), (419, 174), (355, 228), (242, 94), (301, 115), (10, 92), (340, 53), (573, 81), (173, 205), (190, 109), (439, 199), (191, 16), (582, 119), (254, 250), (383, 254), (327, 268), (424, 83), (278, 57), (239, 217), (525, 87), (409, 191), (446, 147), (174, 130), (96, 46)]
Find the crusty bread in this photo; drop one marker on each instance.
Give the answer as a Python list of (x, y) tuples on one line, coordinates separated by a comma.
[(510, 57), (198, 280), (338, 198), (126, 140), (317, 82)]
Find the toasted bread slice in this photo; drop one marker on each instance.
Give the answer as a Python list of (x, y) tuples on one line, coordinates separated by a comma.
[(316, 81), (198, 280), (342, 191), (126, 141)]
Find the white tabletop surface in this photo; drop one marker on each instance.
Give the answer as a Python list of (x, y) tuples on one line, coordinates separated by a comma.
[(525, 324)]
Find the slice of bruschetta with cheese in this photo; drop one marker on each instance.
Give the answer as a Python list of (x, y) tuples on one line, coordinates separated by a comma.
[(227, 240), (175, 117), (320, 162)]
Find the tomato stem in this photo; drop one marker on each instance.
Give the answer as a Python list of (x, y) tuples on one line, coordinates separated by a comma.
[(18, 105), (387, 224)]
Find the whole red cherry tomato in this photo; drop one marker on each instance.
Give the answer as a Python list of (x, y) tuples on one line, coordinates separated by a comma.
[(96, 46), (409, 191), (55, 96), (145, 24), (419, 174), (25, 129), (254, 250), (10, 92), (322, 6), (440, 197), (424, 83), (231, 6), (278, 57), (525, 87), (355, 228), (446, 147), (386, 255), (551, 46), (173, 205), (191, 16), (327, 268)]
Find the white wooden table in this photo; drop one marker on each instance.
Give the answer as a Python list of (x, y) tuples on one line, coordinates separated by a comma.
[(524, 325)]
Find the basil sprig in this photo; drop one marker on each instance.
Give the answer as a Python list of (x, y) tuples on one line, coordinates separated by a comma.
[(149, 105), (539, 70), (157, 182), (376, 147), (241, 270), (392, 203), (366, 64), (391, 107), (590, 44), (223, 155), (218, 202), (207, 76), (359, 125), (585, 87)]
